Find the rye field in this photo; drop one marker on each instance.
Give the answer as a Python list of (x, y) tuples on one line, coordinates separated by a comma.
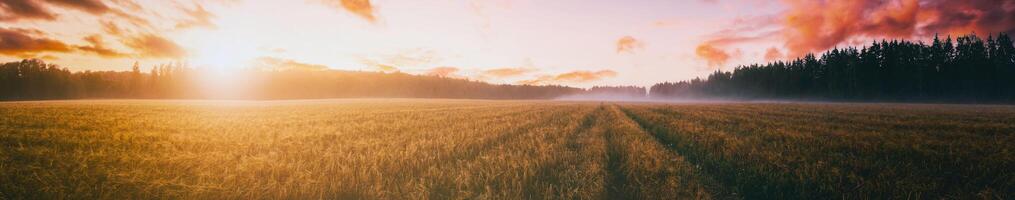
[(474, 149)]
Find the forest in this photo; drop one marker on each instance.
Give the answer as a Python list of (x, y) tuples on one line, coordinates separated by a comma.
[(34, 79), (969, 69)]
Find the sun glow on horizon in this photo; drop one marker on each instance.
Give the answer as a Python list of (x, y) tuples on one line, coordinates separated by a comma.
[(642, 43)]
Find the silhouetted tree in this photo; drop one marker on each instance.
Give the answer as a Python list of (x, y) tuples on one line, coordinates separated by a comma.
[(967, 70), (34, 79)]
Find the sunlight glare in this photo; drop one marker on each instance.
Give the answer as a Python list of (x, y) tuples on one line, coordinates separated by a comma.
[(224, 51)]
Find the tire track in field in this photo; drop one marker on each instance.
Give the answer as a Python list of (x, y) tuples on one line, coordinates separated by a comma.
[(473, 151), (500, 139), (616, 179), (718, 189), (595, 126), (557, 173)]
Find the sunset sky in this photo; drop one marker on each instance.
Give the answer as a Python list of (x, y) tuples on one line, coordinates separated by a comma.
[(570, 42)]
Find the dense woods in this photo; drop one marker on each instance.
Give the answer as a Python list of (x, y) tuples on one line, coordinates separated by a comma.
[(969, 69), (35, 79)]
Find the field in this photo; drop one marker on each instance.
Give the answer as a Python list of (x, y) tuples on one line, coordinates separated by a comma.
[(465, 149)]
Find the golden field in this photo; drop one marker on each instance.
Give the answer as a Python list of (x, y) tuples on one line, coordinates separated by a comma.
[(475, 149)]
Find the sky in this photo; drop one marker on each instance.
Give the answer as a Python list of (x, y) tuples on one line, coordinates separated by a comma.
[(579, 43)]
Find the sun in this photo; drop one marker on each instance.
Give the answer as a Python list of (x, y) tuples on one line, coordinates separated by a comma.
[(219, 50), (223, 56)]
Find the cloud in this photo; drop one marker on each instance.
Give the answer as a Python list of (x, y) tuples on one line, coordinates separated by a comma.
[(442, 71), (377, 65), (417, 57), (959, 17), (14, 10), (129, 4), (817, 25), (28, 42), (98, 8), (197, 17), (134, 20), (99, 48), (505, 72), (714, 56), (154, 46), (279, 64), (722, 40), (628, 44), (773, 54), (758, 29), (275, 50), (412, 57), (111, 28), (741, 25), (361, 8), (812, 26), (580, 76), (94, 7)]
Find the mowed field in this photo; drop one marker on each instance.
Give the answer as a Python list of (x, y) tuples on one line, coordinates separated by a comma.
[(465, 149)]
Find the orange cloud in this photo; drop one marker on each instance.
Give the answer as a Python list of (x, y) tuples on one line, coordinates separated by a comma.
[(628, 44), (279, 64), (812, 26), (505, 72), (960, 17), (99, 48), (773, 54), (97, 7), (756, 28), (154, 46), (361, 8), (442, 71), (417, 57), (377, 65), (28, 42), (129, 4), (111, 28), (134, 20), (14, 10), (721, 40), (94, 7), (198, 17), (570, 77), (714, 56)]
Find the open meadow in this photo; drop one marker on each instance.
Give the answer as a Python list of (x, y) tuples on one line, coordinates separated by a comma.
[(476, 149)]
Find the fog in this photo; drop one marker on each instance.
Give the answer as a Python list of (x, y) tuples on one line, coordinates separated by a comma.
[(627, 97)]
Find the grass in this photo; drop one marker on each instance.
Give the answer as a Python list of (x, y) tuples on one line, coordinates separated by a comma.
[(463, 149)]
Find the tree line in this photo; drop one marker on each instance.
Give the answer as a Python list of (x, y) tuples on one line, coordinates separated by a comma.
[(34, 79), (625, 91), (608, 93), (969, 69)]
